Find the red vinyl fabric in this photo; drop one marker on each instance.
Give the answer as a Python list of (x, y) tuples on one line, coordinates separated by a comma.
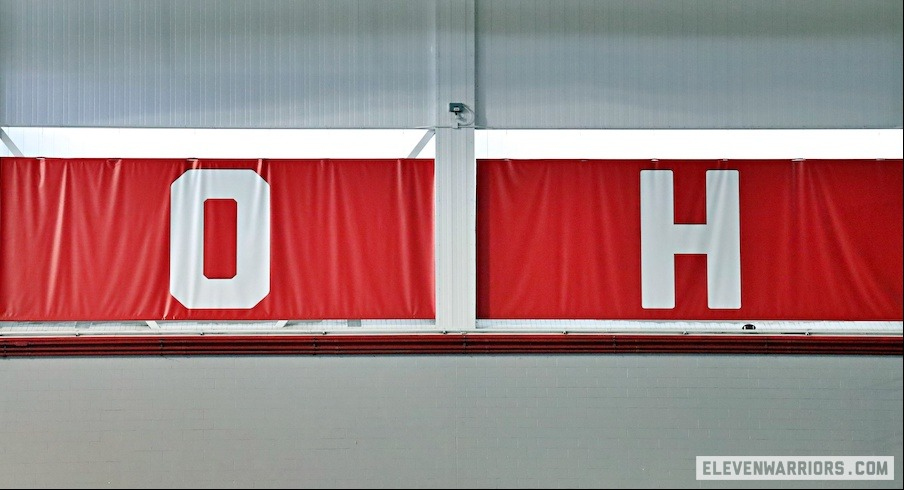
[(561, 239), (89, 239)]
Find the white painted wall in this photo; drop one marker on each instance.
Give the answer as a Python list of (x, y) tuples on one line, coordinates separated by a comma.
[(559, 421)]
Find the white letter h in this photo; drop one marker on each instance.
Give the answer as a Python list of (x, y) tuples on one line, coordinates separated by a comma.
[(719, 239)]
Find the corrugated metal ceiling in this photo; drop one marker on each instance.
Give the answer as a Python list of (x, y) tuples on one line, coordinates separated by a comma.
[(373, 64)]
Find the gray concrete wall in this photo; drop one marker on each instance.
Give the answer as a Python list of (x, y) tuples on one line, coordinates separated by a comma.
[(435, 421)]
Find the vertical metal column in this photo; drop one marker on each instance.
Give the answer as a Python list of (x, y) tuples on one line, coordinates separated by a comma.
[(455, 167)]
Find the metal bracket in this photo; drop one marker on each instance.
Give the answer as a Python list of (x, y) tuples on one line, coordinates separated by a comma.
[(422, 143), (4, 136)]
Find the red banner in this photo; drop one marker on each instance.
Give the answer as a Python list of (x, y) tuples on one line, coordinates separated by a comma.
[(93, 239), (690, 240)]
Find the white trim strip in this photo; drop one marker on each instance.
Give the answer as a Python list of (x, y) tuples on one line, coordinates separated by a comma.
[(50, 329), (734, 327)]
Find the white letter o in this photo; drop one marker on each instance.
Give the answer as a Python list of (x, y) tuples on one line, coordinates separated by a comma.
[(251, 282)]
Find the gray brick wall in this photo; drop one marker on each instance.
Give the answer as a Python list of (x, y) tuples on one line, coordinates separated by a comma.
[(436, 421)]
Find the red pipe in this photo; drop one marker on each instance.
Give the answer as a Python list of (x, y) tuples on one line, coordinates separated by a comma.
[(470, 343)]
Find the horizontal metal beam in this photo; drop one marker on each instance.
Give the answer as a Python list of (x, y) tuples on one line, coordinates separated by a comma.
[(464, 343)]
